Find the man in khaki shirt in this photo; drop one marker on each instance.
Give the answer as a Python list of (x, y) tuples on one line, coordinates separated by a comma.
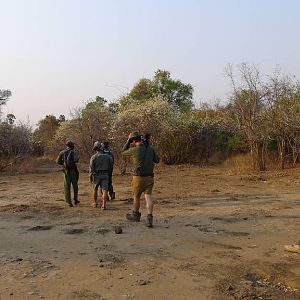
[(144, 158)]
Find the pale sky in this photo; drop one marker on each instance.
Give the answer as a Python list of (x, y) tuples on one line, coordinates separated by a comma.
[(56, 54)]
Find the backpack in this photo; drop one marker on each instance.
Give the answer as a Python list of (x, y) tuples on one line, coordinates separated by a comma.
[(69, 163)]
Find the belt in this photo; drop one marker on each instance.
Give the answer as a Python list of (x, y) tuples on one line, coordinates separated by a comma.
[(145, 175)]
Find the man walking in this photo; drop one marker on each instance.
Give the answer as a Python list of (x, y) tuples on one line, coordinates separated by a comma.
[(100, 167), (108, 151), (144, 157), (68, 158)]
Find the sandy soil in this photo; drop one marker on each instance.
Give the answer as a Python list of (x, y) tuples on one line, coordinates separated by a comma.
[(216, 236)]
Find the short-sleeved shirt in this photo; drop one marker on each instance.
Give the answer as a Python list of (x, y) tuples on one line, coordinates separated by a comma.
[(100, 162), (110, 153), (61, 157)]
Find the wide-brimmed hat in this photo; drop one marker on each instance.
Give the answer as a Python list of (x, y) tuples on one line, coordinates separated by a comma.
[(134, 135), (70, 143), (98, 146)]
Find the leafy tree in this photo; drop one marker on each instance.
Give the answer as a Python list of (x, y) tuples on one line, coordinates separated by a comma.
[(175, 92), (142, 90), (246, 111), (282, 113), (114, 107), (4, 96), (91, 123), (46, 130), (15, 143), (61, 118), (10, 118), (98, 102)]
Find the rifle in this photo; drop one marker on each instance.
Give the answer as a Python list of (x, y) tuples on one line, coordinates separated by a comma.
[(146, 139)]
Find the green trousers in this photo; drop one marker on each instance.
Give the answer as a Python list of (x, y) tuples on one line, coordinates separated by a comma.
[(71, 177)]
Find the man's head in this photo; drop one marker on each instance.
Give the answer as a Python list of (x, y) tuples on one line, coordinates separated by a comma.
[(106, 145), (98, 146), (70, 144), (135, 138)]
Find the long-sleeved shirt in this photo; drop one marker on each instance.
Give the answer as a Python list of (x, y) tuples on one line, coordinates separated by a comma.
[(144, 158)]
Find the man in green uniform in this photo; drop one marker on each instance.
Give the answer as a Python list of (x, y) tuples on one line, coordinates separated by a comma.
[(101, 165), (108, 151), (68, 158), (144, 157)]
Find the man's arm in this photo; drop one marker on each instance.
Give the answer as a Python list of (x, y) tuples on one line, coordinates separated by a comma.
[(156, 158), (91, 174), (92, 168), (112, 156), (76, 157), (126, 151), (110, 165), (59, 159)]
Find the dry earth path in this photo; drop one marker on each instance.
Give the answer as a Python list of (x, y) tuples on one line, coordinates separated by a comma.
[(216, 236)]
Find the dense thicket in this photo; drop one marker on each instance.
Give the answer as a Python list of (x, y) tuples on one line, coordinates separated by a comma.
[(15, 139), (261, 116)]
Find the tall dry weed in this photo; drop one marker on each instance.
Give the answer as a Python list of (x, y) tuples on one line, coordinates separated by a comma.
[(239, 164)]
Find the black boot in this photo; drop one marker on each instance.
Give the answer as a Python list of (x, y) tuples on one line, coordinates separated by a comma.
[(112, 196), (149, 221), (135, 216)]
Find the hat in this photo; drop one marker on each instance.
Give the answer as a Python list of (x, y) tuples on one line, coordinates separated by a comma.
[(98, 146), (70, 143), (134, 135)]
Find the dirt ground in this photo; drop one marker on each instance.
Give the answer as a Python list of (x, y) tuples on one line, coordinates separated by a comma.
[(216, 236)]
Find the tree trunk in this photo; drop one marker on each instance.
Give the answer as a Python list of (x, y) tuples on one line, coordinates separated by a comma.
[(257, 151), (295, 152), (281, 144)]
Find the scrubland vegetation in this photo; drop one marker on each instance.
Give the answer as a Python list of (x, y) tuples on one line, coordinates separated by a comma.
[(256, 128)]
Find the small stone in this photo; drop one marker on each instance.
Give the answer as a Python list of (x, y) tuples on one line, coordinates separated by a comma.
[(143, 282), (118, 229)]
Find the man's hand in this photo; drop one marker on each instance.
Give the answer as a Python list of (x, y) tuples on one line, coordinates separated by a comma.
[(129, 140), (91, 178)]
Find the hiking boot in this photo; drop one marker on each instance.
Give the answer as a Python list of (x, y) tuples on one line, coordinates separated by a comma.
[(135, 216), (70, 204), (149, 221), (76, 202)]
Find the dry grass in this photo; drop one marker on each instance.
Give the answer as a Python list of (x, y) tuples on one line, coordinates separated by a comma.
[(242, 164), (26, 165), (239, 164)]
